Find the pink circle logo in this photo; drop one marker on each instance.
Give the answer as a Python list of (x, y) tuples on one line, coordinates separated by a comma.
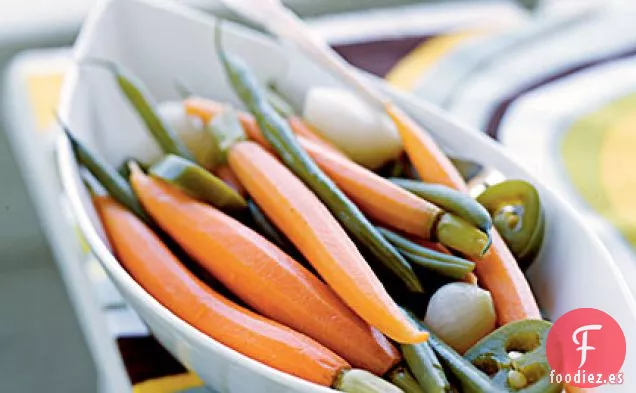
[(586, 348)]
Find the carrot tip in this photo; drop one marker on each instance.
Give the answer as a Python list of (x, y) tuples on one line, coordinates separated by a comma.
[(414, 336), (419, 338), (134, 169)]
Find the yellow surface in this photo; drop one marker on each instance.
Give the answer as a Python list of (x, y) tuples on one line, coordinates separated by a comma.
[(598, 156), (171, 384), (44, 93), (617, 162), (413, 66)]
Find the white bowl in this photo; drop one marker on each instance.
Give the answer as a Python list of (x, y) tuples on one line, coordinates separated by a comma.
[(161, 42)]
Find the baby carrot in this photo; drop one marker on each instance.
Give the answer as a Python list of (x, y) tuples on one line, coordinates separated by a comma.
[(376, 196), (497, 270), (499, 273), (313, 229), (161, 274), (431, 163), (263, 276)]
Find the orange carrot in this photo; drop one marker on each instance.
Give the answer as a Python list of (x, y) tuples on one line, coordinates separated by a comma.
[(499, 273), (428, 159), (225, 173), (159, 272), (471, 278), (497, 270), (319, 237), (375, 195), (263, 276)]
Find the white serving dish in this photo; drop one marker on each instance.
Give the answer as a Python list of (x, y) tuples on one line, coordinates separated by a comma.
[(162, 42)]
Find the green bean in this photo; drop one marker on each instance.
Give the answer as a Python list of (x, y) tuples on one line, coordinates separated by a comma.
[(280, 105), (470, 378), (424, 364), (454, 272), (197, 182), (280, 136), (452, 201), (112, 181), (137, 95), (460, 235), (444, 264), (402, 378)]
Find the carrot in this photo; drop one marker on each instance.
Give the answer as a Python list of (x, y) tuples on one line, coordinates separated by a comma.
[(497, 270), (263, 276), (471, 278), (431, 163), (375, 195), (225, 173), (202, 108), (320, 238), (159, 272), (499, 273)]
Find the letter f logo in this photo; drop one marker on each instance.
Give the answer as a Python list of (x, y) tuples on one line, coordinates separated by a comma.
[(583, 344)]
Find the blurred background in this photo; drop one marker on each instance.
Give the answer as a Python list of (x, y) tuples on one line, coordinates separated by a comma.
[(553, 80)]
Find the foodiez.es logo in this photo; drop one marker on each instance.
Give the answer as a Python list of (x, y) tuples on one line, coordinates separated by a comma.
[(586, 348)]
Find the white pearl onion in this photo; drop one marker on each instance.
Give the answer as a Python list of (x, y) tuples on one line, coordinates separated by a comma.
[(461, 314)]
